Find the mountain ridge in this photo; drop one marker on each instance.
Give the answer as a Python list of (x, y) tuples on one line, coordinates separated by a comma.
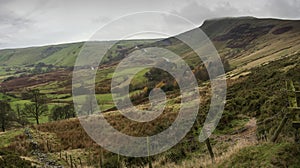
[(245, 42)]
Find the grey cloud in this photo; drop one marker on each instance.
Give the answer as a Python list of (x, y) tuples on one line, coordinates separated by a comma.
[(39, 22), (11, 25), (198, 12), (284, 8), (9, 18)]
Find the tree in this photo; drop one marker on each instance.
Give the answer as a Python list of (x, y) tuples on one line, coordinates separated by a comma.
[(21, 117), (18, 108), (38, 105), (6, 114), (62, 112), (89, 105), (69, 111)]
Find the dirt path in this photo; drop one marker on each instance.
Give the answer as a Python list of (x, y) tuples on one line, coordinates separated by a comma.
[(247, 133), (40, 157), (237, 140)]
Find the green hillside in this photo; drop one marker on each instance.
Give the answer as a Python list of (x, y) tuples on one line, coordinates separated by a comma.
[(59, 55), (253, 42), (248, 42), (259, 56)]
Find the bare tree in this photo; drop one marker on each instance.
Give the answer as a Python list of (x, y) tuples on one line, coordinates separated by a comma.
[(89, 105), (6, 114), (38, 105)]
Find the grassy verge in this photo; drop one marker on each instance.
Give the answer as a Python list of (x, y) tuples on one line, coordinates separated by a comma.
[(266, 155), (8, 137)]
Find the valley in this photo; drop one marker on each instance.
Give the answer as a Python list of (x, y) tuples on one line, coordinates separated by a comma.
[(259, 57)]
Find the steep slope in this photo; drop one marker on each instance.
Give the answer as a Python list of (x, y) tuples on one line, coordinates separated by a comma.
[(59, 55), (241, 40), (256, 94), (33, 55), (248, 42)]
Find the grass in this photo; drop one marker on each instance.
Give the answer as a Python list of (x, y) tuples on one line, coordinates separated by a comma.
[(60, 55), (256, 97), (43, 118), (234, 125), (19, 102), (266, 155), (139, 78), (7, 137), (50, 87), (64, 57), (244, 155), (104, 74), (105, 100), (6, 97), (58, 96)]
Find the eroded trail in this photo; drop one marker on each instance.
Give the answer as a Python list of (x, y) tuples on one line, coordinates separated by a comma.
[(244, 137), (246, 133)]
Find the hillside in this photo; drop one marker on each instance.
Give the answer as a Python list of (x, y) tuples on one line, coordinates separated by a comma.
[(58, 55), (233, 38), (259, 56), (245, 42), (252, 113), (248, 42)]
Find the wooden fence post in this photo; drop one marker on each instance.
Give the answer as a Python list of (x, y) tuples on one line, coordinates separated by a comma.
[(80, 161), (148, 149), (278, 130), (211, 153), (71, 161), (66, 155), (101, 158)]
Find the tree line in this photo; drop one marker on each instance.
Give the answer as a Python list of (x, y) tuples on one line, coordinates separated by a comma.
[(35, 109)]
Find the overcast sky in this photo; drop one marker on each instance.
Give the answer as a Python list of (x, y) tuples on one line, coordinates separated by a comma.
[(39, 22)]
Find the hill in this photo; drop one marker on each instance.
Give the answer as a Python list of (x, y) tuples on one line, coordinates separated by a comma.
[(233, 38), (262, 54), (59, 55)]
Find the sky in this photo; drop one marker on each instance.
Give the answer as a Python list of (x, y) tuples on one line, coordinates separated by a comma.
[(25, 23)]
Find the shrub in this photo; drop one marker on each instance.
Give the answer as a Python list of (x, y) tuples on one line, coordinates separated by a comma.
[(13, 161)]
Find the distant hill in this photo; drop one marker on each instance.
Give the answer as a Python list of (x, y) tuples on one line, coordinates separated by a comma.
[(54, 54), (59, 55), (249, 41), (263, 55), (241, 40)]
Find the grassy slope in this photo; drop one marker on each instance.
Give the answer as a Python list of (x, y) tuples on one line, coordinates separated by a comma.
[(65, 54), (190, 152), (263, 49), (265, 155), (60, 55)]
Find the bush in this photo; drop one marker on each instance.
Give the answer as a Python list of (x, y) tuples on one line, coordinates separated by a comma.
[(13, 161), (261, 94), (62, 112)]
